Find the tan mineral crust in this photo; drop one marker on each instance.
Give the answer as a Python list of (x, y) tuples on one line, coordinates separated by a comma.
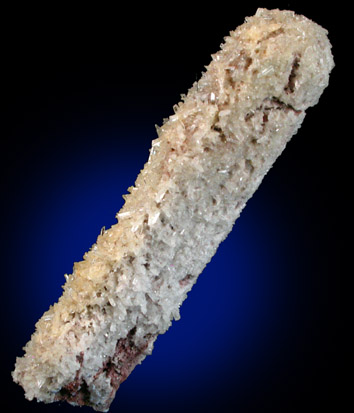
[(209, 158)]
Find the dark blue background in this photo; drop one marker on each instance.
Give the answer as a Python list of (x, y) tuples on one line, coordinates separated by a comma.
[(83, 91)]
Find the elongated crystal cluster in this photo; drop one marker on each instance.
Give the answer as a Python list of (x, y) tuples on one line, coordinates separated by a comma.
[(209, 158)]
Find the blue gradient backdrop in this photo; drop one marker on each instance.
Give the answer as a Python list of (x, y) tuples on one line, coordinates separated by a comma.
[(258, 331)]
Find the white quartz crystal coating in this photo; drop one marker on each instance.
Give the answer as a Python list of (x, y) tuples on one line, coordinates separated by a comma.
[(209, 158)]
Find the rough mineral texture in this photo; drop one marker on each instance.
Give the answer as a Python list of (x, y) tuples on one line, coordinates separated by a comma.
[(209, 158)]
